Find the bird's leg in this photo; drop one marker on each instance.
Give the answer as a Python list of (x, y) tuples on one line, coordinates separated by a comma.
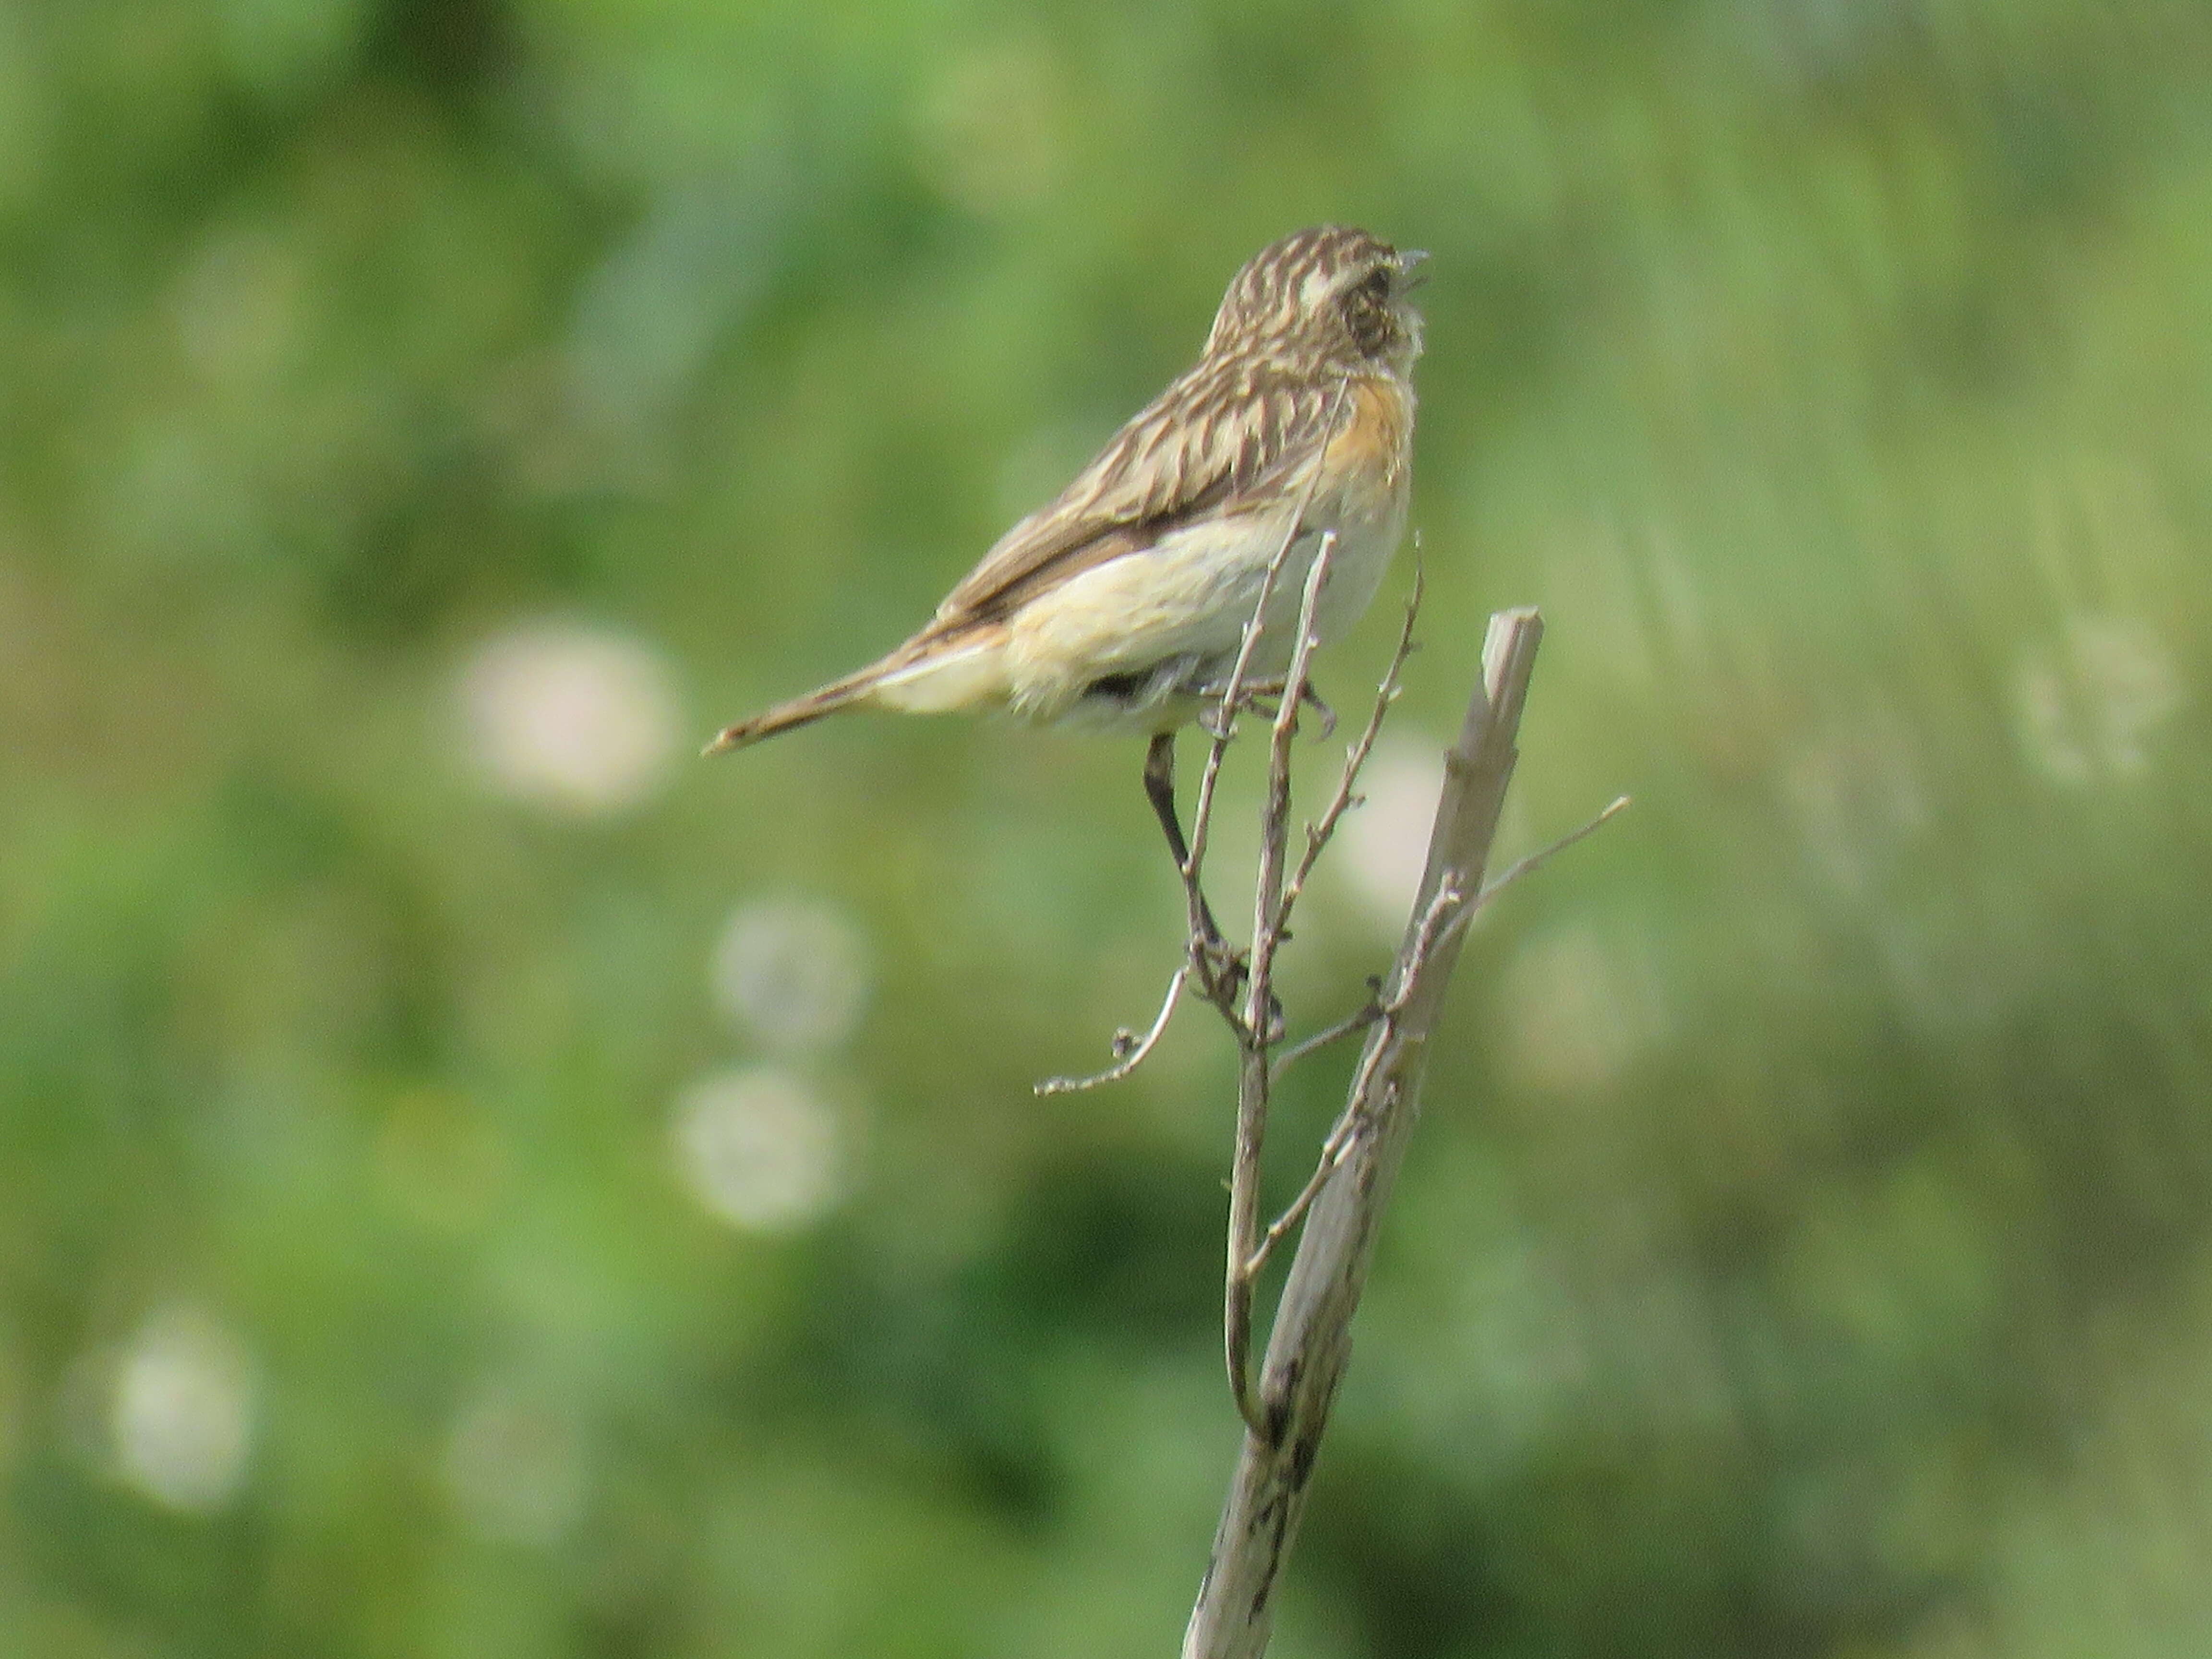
[(1220, 966), (1159, 789)]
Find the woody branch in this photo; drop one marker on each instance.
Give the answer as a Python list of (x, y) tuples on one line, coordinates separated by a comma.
[(1286, 1412), (1311, 1341)]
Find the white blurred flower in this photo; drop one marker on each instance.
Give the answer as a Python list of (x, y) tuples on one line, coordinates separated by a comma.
[(795, 971), (181, 1412), (2088, 709), (570, 717), (515, 1466), (1384, 844), (757, 1148)]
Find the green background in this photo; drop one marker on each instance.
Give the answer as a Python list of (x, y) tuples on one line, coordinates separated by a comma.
[(1807, 1247)]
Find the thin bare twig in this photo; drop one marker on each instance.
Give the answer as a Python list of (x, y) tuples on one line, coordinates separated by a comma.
[(1270, 897), (1322, 829), (1440, 923), (1254, 1070), (1131, 1048), (1439, 919), (1215, 984), (1310, 1342), (1358, 1020), (1444, 917), (1544, 855), (1334, 1150), (1224, 726), (1318, 835)]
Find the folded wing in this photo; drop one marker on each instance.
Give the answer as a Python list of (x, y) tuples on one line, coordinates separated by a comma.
[(1222, 431)]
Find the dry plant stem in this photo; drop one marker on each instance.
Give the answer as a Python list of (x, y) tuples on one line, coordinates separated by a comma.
[(1544, 855), (1333, 1151), (1358, 1020), (1248, 1251), (1318, 836), (1311, 1341), (1365, 1016), (1319, 833), (1443, 913), (1201, 817), (1201, 941), (1446, 915), (1132, 1048), (1253, 1067)]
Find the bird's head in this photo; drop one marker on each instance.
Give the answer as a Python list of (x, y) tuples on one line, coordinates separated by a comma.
[(1333, 297)]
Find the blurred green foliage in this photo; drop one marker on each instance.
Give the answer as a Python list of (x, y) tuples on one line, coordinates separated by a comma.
[(422, 419)]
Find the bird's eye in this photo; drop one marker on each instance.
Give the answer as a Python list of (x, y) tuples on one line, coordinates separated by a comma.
[(1377, 284)]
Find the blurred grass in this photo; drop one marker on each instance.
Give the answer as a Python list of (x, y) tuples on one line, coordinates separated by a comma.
[(1807, 1250)]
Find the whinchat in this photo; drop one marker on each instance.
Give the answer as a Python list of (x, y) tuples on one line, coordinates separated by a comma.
[(1122, 601)]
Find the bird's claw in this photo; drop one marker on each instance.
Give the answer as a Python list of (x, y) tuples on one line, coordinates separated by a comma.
[(1223, 971), (1262, 697)]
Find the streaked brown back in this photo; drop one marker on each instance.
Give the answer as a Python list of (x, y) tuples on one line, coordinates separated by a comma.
[(1242, 422)]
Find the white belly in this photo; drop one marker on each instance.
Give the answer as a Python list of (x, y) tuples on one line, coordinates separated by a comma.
[(1181, 607)]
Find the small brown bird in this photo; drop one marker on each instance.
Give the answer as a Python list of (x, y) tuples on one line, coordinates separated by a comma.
[(1122, 602)]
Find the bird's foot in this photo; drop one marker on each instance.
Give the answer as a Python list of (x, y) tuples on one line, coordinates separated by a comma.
[(1262, 697), (1223, 971)]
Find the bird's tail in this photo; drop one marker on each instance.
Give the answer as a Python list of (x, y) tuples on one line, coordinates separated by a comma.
[(799, 711), (933, 673)]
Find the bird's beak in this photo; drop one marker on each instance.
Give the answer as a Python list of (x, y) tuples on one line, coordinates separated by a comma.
[(1410, 276)]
